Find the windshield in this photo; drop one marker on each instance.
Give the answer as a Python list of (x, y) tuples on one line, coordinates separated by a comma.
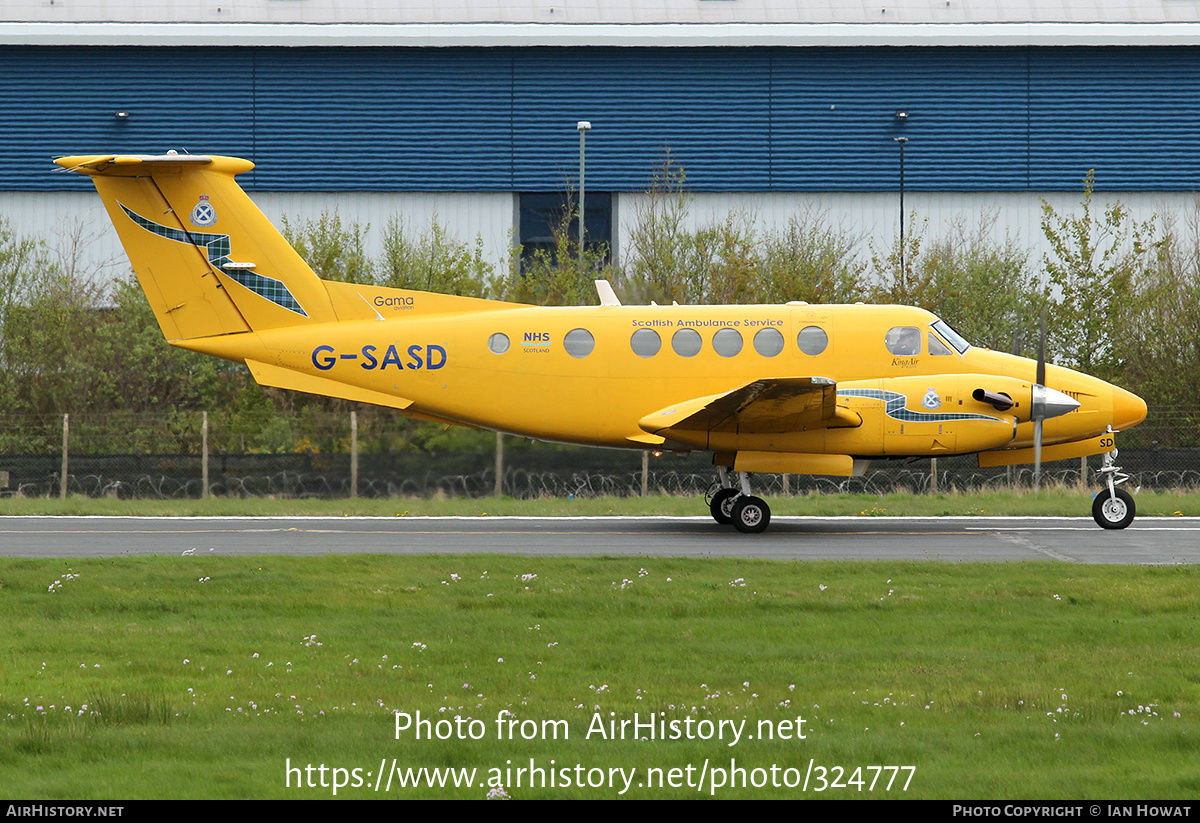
[(951, 336)]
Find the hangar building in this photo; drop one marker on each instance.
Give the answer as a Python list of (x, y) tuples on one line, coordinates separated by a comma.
[(467, 110)]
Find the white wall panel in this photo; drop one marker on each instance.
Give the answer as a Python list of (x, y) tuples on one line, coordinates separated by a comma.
[(72, 225), (464, 215), (874, 218), (63, 220), (66, 219)]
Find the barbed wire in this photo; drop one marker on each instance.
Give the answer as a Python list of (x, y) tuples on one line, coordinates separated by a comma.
[(313, 462), (531, 483)]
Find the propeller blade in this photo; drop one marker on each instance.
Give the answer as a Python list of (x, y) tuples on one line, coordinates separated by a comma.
[(1037, 455), (1041, 361), (1038, 410)]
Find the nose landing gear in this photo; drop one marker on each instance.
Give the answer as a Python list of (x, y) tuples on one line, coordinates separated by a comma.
[(1113, 508)]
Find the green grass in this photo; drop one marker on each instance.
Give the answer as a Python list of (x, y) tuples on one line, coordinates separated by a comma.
[(203, 677), (1067, 502)]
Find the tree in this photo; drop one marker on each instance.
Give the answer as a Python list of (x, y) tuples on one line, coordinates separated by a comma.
[(433, 261), (1160, 336), (669, 261), (46, 319), (655, 257), (981, 286), (898, 275), (554, 277), (21, 260), (335, 251), (1093, 264), (811, 260)]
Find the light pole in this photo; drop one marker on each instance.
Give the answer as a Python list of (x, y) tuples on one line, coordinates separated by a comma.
[(901, 141), (583, 126), (901, 119)]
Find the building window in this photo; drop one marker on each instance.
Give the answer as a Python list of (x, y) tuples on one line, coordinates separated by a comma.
[(543, 216)]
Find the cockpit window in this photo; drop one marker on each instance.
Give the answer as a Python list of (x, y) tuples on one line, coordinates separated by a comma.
[(951, 336), (937, 347), (903, 341)]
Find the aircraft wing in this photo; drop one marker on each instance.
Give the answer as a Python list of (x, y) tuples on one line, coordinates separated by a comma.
[(767, 406)]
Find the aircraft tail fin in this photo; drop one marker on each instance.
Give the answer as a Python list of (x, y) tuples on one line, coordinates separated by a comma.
[(209, 261)]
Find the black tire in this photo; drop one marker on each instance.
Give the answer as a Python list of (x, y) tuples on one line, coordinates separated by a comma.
[(751, 514), (1113, 512), (721, 506)]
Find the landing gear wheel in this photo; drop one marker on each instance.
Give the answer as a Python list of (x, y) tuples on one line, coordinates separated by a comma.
[(1113, 512), (721, 505), (751, 514)]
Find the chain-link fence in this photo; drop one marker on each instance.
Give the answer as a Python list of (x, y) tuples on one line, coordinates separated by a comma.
[(324, 456)]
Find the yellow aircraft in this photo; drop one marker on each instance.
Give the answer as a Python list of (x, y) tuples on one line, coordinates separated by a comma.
[(795, 388)]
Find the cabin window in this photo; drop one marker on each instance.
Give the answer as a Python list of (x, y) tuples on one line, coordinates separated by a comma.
[(686, 342), (903, 341), (579, 342), (645, 342), (812, 340), (727, 342), (937, 347), (498, 343), (768, 342)]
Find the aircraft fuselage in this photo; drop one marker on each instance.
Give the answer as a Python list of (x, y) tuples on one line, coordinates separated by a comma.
[(589, 375)]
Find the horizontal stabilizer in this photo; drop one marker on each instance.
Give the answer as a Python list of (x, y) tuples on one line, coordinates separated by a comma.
[(135, 165), (647, 439), (267, 375)]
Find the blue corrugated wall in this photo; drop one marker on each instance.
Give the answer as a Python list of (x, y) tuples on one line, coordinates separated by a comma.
[(736, 119)]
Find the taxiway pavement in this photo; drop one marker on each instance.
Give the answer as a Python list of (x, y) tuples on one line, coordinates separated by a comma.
[(1155, 541)]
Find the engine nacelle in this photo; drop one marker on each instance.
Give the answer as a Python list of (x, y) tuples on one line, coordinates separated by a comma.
[(932, 415)]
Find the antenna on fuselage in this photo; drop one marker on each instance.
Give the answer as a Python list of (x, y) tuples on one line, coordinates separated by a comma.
[(608, 297)]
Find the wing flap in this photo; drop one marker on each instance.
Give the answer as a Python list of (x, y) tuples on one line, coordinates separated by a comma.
[(768, 406)]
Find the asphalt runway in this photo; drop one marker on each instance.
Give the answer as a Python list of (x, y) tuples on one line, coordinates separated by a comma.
[(1152, 541)]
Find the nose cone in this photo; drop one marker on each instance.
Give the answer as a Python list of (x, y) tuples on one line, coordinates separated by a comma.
[(1128, 409), (1051, 402)]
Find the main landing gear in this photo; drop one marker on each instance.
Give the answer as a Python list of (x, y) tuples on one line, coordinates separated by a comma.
[(1113, 508), (734, 504)]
